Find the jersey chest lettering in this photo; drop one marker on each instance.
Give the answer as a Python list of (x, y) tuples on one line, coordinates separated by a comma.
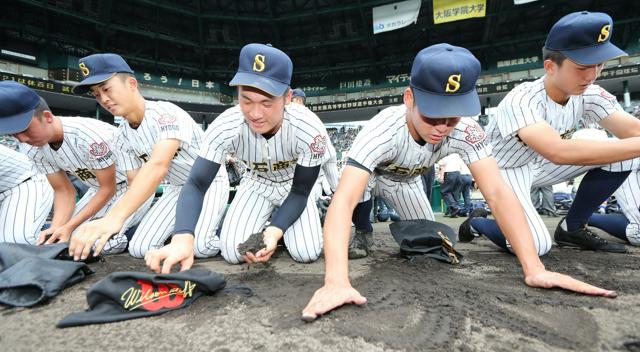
[(84, 174), (568, 133), (262, 166), (402, 170)]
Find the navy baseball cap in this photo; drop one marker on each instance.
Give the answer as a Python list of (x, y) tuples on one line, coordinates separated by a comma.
[(443, 78), (299, 93), (98, 68), (584, 37), (264, 67), (17, 103)]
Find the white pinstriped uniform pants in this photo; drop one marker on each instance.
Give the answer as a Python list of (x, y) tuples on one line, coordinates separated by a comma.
[(406, 197), (252, 208), (117, 243), (159, 222), (24, 209), (544, 173), (628, 197)]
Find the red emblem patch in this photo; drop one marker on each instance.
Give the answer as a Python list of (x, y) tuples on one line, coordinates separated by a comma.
[(319, 144), (474, 134), (98, 149), (607, 95), (167, 119)]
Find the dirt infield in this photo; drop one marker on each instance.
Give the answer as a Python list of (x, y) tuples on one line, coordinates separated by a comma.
[(479, 305)]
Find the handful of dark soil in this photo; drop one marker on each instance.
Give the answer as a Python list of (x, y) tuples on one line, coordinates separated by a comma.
[(253, 244)]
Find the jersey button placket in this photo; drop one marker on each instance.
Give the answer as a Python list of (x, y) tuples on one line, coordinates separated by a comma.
[(266, 152)]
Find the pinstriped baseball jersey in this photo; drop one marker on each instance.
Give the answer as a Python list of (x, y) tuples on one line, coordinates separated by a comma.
[(87, 146), (386, 147), (301, 139), (529, 103), (15, 167), (162, 120)]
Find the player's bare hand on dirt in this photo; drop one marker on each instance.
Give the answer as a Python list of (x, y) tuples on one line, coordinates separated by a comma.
[(180, 250), (61, 234), (271, 237), (329, 297), (550, 279), (96, 232)]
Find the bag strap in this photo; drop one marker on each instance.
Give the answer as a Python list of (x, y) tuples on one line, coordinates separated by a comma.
[(448, 246)]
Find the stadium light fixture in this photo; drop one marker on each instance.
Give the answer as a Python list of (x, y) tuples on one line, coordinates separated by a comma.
[(17, 55)]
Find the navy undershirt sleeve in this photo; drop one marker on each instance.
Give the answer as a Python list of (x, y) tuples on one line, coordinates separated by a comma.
[(304, 178), (192, 195), (357, 164)]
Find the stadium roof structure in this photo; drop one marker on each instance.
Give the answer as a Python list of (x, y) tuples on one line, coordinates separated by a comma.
[(327, 40), (331, 43)]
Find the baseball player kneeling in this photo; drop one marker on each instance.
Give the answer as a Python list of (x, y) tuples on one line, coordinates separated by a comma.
[(81, 146), (162, 141), (283, 146), (532, 133), (625, 226), (403, 141)]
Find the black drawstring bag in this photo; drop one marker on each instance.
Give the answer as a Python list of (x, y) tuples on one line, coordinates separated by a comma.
[(11, 253), (35, 280), (424, 238), (30, 275), (129, 295)]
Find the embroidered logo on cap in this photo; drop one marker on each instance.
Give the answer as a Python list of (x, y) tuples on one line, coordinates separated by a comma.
[(604, 33), (258, 63), (453, 83), (84, 69)]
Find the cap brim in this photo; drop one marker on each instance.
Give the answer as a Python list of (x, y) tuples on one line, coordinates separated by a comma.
[(267, 85), (443, 106), (16, 123), (594, 55), (84, 86)]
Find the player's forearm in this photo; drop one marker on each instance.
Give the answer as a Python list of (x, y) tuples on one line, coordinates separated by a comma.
[(511, 219), (64, 201), (97, 202), (584, 152), (131, 175), (143, 186), (192, 195), (337, 227)]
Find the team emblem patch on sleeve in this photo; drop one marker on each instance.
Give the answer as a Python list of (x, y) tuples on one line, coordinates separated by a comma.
[(319, 144), (98, 149), (610, 97), (167, 119), (473, 134)]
